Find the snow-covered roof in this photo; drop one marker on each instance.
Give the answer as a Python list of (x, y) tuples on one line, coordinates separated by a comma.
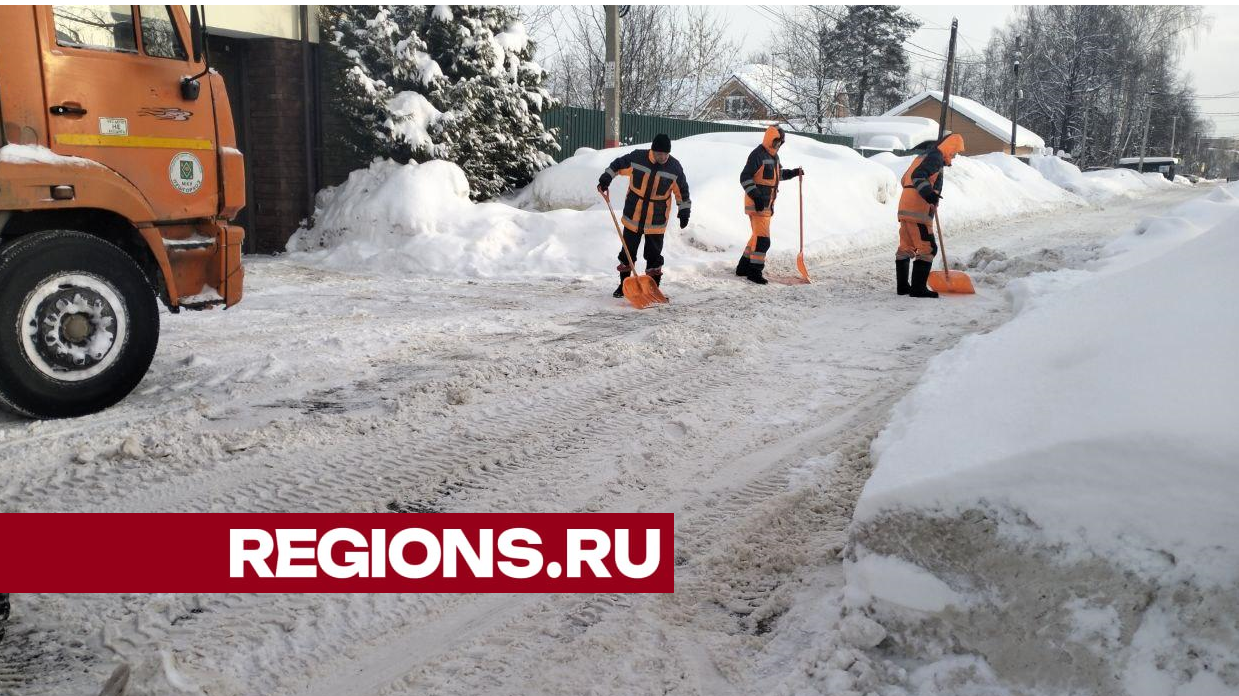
[(886, 132), (767, 83), (989, 120), (1150, 160)]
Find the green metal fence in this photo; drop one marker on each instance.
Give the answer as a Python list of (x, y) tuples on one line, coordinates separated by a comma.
[(584, 128)]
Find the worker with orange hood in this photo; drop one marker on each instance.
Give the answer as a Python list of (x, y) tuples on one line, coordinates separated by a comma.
[(760, 179), (922, 189)]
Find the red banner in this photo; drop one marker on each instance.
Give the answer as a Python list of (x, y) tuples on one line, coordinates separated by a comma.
[(302, 552)]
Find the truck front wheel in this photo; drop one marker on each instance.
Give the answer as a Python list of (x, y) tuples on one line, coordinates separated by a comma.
[(78, 324)]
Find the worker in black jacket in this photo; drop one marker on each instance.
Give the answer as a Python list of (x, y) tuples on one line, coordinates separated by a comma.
[(654, 177)]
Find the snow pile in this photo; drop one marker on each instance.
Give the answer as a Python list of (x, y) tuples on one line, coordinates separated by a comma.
[(980, 190), (1097, 186), (886, 132), (1062, 489), (417, 218), (848, 199)]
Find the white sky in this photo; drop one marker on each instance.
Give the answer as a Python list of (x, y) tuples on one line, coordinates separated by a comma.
[(1210, 61)]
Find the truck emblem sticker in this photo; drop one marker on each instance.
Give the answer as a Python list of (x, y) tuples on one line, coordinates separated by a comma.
[(185, 172), (166, 113), (113, 126)]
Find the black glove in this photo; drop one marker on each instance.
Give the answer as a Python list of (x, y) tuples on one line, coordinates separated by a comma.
[(684, 217), (760, 201), (931, 196), (798, 171), (604, 182)]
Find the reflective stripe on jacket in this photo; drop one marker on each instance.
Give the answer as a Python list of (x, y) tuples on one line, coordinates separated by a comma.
[(651, 187)]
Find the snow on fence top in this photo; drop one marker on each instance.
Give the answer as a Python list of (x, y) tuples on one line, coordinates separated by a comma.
[(1150, 160), (989, 120)]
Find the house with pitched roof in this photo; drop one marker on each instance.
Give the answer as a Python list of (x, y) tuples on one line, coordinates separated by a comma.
[(984, 129)]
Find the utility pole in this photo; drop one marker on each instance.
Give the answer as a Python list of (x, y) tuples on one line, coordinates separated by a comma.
[(611, 80), (1015, 98), (1088, 102), (946, 89), (1144, 142), (1174, 125)]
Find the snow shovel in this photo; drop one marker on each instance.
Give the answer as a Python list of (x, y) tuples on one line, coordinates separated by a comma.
[(636, 287), (946, 280), (804, 271)]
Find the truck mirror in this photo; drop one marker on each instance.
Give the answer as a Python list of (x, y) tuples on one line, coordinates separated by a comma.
[(195, 32)]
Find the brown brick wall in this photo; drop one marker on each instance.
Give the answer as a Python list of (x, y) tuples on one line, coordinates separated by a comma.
[(265, 80), (276, 150)]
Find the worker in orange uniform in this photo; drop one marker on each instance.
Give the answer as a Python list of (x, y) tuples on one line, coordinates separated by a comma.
[(922, 189), (760, 178)]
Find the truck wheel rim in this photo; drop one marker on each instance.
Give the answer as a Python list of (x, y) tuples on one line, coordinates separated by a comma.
[(73, 326)]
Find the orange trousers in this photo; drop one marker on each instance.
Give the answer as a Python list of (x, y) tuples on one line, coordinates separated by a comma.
[(915, 242), (759, 241)]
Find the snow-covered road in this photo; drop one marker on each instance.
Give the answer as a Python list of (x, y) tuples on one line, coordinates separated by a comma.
[(745, 410)]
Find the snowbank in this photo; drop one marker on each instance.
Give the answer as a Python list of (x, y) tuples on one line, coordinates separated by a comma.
[(417, 219), (1097, 186), (979, 190), (848, 199), (1064, 487)]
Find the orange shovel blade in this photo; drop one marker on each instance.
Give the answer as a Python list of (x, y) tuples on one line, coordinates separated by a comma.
[(804, 270), (650, 288), (956, 282), (634, 294)]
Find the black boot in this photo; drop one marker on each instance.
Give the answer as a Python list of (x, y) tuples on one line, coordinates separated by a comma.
[(901, 277), (755, 276), (742, 268), (619, 289), (920, 274)]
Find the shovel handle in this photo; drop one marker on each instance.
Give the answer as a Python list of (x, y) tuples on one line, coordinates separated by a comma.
[(946, 269), (800, 181), (615, 221)]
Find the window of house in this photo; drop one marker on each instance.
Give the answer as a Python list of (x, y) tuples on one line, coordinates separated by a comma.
[(159, 37), (101, 27), (738, 106)]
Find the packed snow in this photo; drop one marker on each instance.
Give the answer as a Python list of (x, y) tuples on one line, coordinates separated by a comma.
[(312, 394), (1087, 446)]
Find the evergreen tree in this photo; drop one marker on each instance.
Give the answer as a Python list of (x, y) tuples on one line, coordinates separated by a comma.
[(455, 83), (493, 92), (868, 55), (387, 74)]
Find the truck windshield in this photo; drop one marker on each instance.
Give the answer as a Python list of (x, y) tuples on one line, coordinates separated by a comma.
[(100, 27)]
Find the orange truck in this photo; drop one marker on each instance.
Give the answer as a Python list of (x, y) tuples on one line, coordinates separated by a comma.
[(119, 177)]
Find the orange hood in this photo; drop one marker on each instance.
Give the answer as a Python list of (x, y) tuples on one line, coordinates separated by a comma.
[(950, 146), (772, 133)]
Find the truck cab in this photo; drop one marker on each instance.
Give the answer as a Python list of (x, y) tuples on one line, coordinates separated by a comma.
[(119, 179)]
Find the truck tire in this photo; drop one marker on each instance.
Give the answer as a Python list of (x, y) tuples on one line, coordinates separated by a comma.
[(79, 324)]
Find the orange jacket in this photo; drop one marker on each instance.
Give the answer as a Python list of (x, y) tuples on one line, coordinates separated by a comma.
[(926, 172), (762, 173), (651, 186)]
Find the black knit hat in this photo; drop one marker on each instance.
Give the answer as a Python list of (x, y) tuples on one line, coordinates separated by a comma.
[(662, 143)]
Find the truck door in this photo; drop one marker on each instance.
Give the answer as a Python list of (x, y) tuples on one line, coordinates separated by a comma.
[(112, 75)]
